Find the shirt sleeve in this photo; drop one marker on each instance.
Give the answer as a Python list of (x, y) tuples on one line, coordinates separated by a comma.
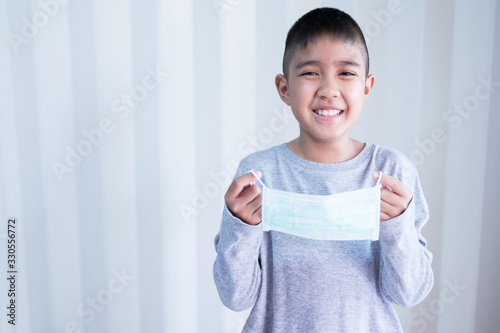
[(237, 271), (406, 276)]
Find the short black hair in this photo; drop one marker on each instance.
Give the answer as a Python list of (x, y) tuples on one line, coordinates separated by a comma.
[(321, 22)]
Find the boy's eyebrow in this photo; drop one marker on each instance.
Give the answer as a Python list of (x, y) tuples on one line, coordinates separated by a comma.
[(306, 63), (338, 63), (348, 63)]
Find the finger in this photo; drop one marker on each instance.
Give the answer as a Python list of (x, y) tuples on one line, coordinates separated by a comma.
[(395, 200), (391, 198), (395, 184), (384, 217), (257, 216), (378, 175), (249, 193), (256, 208), (399, 203), (389, 210), (238, 205), (255, 203), (240, 183), (250, 212)]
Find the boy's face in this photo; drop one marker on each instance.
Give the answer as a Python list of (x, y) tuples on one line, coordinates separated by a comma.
[(326, 88)]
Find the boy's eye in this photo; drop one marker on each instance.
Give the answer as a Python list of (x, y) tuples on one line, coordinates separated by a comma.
[(347, 74), (309, 74)]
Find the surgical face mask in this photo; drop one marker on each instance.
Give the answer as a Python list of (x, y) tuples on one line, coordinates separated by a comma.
[(353, 215)]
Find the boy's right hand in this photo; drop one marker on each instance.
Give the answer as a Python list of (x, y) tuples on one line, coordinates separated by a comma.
[(244, 199)]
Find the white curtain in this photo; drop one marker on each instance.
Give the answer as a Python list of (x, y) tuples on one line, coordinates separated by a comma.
[(122, 122)]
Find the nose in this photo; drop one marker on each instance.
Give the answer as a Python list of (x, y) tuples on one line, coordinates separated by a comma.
[(328, 89)]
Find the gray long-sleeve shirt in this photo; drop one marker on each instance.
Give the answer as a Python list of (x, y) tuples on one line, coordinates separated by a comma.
[(301, 285)]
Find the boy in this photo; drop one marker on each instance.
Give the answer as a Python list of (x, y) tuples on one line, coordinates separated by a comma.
[(297, 284)]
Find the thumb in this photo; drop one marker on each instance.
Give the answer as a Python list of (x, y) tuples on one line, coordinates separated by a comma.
[(257, 173), (376, 175)]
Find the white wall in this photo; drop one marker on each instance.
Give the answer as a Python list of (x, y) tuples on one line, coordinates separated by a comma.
[(122, 239)]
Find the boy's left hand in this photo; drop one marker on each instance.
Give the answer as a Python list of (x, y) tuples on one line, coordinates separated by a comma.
[(394, 198)]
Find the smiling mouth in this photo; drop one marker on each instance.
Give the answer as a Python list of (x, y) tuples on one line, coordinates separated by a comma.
[(328, 113)]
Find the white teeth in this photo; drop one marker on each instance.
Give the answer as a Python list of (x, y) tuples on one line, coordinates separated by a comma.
[(328, 112)]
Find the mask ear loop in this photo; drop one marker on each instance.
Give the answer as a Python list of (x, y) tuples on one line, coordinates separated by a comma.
[(379, 179), (260, 181)]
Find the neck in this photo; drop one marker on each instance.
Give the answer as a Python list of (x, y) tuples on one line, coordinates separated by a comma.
[(336, 151)]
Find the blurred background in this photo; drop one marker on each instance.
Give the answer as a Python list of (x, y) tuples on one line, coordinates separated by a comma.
[(122, 123)]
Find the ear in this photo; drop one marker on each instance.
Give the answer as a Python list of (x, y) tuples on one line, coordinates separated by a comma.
[(282, 86), (370, 81)]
